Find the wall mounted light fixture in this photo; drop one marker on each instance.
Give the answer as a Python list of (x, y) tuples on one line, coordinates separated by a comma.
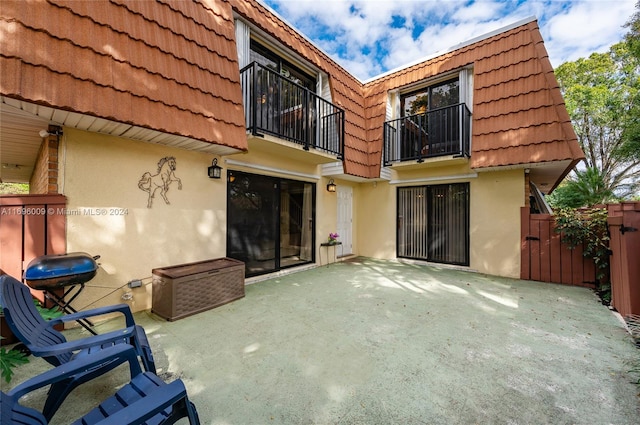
[(331, 187), (54, 130), (215, 170)]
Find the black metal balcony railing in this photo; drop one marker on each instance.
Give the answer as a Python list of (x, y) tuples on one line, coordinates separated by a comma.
[(439, 132), (278, 106)]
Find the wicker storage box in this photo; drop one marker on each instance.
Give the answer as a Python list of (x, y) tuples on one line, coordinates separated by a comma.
[(186, 289)]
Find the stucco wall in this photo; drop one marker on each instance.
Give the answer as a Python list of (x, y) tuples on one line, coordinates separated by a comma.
[(376, 221), (496, 198), (108, 215)]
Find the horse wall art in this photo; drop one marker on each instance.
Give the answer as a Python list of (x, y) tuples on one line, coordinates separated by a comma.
[(150, 183)]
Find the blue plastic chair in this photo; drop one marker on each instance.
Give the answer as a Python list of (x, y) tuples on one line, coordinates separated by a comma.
[(40, 337), (145, 399)]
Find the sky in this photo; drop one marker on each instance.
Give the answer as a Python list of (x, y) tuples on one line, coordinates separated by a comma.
[(370, 37)]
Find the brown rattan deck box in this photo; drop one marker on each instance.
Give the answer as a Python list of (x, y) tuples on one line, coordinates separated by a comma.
[(186, 289)]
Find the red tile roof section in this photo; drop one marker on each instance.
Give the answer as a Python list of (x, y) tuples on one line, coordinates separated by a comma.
[(168, 65)]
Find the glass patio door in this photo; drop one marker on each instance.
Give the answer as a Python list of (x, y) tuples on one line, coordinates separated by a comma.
[(270, 222), (433, 223)]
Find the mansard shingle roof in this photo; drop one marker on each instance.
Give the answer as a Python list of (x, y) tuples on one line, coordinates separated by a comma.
[(172, 66), (519, 114), (168, 65)]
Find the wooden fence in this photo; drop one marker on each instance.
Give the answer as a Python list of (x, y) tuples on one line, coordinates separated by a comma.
[(30, 226), (546, 258), (624, 229)]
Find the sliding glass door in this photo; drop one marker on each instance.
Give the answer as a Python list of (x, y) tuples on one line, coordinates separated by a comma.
[(270, 222), (433, 223)]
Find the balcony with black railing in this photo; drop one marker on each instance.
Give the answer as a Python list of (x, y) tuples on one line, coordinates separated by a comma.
[(279, 107), (439, 132)]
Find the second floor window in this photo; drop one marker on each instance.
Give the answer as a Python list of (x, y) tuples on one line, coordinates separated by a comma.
[(429, 98), (267, 58)]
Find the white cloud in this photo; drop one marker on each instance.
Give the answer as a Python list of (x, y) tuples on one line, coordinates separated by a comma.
[(586, 27), (479, 11), (366, 36)]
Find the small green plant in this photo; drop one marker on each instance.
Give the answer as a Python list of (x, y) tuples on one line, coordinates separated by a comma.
[(10, 359), (588, 228)]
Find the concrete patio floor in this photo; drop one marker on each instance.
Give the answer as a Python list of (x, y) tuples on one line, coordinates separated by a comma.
[(382, 342)]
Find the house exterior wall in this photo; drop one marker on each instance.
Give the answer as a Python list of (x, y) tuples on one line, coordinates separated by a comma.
[(176, 71), (133, 239), (496, 198), (495, 201), (108, 215)]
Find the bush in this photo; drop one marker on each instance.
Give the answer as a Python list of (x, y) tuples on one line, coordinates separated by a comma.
[(588, 228)]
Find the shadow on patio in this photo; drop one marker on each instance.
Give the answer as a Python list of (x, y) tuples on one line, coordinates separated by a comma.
[(380, 342)]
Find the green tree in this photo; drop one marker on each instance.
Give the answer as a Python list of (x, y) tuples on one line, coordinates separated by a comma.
[(14, 188), (601, 93), (631, 132), (586, 189), (633, 36)]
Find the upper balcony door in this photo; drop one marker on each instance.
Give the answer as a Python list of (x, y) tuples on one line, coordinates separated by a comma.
[(431, 125), (288, 108), (280, 100), (430, 98), (266, 57), (432, 121)]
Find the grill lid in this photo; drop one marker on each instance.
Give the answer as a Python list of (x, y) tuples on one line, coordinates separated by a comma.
[(56, 266)]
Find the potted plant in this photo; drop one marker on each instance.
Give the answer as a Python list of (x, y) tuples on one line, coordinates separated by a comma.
[(333, 238)]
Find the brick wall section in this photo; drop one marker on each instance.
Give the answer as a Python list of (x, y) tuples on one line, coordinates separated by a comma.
[(44, 180)]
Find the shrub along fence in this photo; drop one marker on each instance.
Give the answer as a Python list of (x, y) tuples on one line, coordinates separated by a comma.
[(547, 258)]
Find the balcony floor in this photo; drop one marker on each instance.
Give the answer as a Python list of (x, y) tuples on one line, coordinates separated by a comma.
[(382, 342)]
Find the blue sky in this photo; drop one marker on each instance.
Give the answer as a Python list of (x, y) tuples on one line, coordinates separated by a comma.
[(369, 37)]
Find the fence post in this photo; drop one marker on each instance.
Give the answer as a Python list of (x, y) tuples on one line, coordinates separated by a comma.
[(624, 228), (525, 251)]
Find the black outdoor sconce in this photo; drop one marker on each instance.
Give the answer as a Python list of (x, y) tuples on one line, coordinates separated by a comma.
[(215, 170), (331, 187)]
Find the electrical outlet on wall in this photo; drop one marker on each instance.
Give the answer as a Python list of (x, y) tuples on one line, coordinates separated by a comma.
[(135, 283)]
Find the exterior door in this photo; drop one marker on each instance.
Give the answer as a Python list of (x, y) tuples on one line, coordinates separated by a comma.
[(433, 223), (345, 218), (271, 222)]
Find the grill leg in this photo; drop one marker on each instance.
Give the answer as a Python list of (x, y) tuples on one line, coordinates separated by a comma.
[(66, 306)]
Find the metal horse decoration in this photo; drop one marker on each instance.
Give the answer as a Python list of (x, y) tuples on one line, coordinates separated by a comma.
[(161, 180)]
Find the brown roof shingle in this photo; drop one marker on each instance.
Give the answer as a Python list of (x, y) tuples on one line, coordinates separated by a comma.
[(170, 65)]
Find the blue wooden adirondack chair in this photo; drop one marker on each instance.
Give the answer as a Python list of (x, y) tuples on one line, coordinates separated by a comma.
[(40, 337), (146, 399)]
